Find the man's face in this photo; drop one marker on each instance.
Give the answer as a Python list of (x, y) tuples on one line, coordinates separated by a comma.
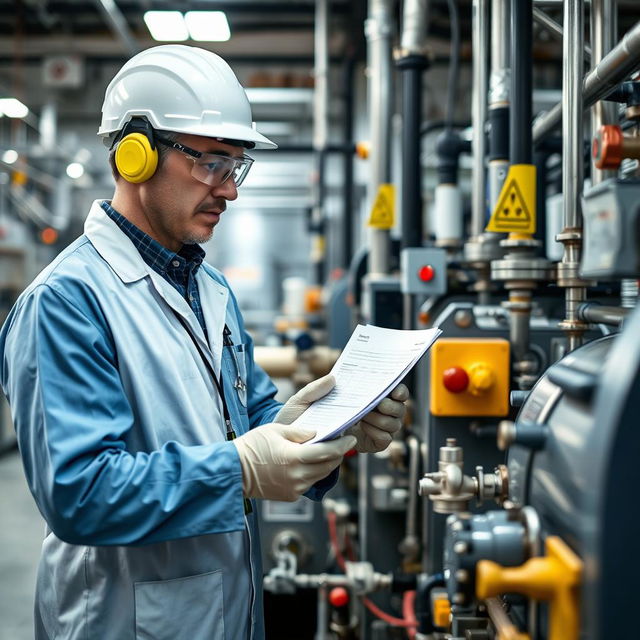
[(179, 208)]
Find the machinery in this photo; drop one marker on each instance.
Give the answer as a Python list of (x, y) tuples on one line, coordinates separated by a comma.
[(504, 510)]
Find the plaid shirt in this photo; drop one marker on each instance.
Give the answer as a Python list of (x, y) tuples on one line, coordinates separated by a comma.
[(179, 269)]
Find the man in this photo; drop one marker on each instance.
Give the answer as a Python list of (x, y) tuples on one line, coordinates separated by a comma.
[(144, 424)]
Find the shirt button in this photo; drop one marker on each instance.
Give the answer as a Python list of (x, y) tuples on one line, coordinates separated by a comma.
[(176, 263), (191, 298)]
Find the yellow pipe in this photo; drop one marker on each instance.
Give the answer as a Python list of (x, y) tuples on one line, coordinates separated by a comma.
[(554, 578)]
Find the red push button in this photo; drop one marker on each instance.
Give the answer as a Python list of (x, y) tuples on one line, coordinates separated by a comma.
[(339, 597), (455, 379), (426, 273)]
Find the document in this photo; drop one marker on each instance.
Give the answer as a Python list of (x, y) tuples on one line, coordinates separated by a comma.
[(371, 365)]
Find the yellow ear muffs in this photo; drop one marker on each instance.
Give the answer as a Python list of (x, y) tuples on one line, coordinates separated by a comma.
[(135, 159)]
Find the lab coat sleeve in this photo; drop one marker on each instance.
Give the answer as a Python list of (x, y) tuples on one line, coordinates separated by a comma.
[(72, 417)]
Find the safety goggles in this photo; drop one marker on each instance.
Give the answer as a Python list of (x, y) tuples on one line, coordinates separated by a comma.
[(211, 168)]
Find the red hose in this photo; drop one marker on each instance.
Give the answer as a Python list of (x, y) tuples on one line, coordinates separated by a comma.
[(409, 614), (409, 619)]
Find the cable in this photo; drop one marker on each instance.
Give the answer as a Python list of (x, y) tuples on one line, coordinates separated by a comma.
[(454, 63)]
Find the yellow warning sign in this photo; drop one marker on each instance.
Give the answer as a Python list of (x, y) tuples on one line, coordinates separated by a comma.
[(516, 208), (384, 206)]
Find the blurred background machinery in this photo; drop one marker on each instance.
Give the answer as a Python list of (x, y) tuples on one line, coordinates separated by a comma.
[(467, 164)]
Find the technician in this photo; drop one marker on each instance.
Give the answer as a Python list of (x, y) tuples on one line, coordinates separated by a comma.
[(144, 424)]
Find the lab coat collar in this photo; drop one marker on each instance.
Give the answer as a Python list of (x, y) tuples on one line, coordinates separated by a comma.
[(121, 254)]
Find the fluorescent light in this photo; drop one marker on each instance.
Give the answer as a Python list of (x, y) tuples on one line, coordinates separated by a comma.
[(13, 108), (166, 26), (75, 170), (208, 26), (9, 156)]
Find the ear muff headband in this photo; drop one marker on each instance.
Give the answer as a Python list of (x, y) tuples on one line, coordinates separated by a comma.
[(136, 159)]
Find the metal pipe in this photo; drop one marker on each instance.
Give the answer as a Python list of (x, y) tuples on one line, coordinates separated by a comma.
[(410, 546), (499, 99), (118, 24), (480, 42), (414, 26), (520, 143), (554, 28), (323, 612), (320, 134), (572, 108), (604, 29), (598, 83), (600, 314), (348, 209), (504, 627), (378, 33)]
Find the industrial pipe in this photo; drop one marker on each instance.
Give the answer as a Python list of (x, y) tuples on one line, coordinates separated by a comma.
[(520, 143), (572, 171), (604, 27), (600, 314), (320, 136), (378, 33), (479, 114), (598, 83), (499, 99)]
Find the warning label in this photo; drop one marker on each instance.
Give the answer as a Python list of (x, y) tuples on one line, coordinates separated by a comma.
[(383, 209), (516, 208)]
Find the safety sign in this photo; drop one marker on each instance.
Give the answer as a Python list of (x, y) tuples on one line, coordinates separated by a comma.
[(383, 209), (516, 208)]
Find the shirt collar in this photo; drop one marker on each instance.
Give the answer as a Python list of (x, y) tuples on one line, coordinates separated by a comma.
[(158, 257)]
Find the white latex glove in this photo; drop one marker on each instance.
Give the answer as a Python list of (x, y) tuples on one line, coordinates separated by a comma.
[(276, 466), (298, 404), (375, 431)]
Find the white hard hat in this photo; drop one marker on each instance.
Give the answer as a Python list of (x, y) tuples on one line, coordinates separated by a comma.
[(181, 89)]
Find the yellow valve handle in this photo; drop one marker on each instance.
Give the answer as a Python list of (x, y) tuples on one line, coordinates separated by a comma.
[(555, 578)]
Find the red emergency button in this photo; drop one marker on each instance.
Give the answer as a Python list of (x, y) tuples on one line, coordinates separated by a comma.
[(455, 379), (426, 273), (339, 597)]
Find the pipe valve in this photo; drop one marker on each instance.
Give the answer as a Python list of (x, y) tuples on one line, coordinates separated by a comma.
[(451, 490)]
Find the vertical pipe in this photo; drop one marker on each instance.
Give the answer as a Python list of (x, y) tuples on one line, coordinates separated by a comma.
[(499, 99), (479, 114), (604, 29), (347, 218), (520, 143), (572, 113), (378, 33), (573, 162), (320, 134)]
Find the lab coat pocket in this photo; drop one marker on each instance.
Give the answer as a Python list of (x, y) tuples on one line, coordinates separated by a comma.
[(190, 607)]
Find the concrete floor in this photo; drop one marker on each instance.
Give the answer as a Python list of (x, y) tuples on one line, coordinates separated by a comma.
[(21, 533)]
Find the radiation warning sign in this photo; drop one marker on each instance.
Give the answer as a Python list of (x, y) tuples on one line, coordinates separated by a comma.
[(516, 208), (383, 209)]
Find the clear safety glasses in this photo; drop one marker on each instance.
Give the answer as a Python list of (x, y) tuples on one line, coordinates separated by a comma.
[(211, 168)]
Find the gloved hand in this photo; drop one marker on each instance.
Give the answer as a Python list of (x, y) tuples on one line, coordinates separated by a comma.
[(298, 404), (375, 431), (275, 465)]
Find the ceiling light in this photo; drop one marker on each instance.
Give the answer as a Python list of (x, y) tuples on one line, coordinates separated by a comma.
[(208, 26), (166, 26), (13, 108), (9, 156), (75, 170)]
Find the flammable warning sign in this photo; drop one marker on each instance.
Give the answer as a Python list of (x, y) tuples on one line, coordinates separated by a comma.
[(516, 208)]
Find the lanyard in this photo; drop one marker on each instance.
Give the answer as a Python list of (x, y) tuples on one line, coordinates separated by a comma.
[(231, 434)]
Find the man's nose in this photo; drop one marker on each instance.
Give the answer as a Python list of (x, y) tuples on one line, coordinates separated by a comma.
[(226, 190)]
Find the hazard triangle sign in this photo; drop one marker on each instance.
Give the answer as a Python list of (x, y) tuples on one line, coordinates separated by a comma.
[(383, 209), (516, 208)]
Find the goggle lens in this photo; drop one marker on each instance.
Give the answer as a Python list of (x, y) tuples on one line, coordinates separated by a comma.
[(213, 169)]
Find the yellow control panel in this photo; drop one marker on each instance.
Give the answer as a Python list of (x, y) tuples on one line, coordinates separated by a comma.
[(470, 377)]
